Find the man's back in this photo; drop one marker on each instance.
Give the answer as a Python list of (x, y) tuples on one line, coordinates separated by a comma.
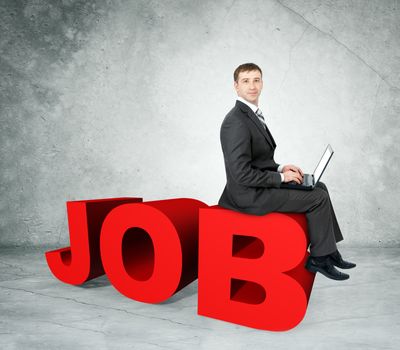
[(249, 162)]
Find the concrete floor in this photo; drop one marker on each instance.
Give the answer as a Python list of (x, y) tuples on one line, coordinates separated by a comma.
[(39, 312)]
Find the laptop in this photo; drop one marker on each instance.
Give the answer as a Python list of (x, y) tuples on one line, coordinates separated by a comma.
[(310, 181)]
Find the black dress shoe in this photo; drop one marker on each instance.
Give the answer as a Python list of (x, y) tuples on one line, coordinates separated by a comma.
[(337, 260), (325, 267)]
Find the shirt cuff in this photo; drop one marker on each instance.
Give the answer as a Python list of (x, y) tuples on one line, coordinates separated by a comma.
[(280, 168), (282, 177)]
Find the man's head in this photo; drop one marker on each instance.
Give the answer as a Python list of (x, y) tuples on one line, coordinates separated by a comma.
[(248, 82)]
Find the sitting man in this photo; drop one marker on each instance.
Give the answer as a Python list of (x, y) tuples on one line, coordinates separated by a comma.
[(254, 179)]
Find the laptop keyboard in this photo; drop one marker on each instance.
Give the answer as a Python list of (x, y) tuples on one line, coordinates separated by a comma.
[(308, 180)]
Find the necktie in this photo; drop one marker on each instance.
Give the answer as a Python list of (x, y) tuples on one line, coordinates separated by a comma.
[(261, 118)]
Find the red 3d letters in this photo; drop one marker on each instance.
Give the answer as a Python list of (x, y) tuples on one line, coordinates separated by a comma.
[(250, 268)]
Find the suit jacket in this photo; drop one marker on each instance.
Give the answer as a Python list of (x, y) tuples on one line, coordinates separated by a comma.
[(252, 180)]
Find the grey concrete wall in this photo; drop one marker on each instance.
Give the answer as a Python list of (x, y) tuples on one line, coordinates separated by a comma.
[(125, 98)]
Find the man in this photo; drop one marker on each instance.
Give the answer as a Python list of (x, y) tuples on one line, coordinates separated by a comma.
[(254, 179)]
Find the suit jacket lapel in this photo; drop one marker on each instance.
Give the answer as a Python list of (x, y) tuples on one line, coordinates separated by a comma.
[(246, 109), (271, 138)]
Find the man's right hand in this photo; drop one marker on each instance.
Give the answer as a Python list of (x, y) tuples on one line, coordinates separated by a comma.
[(292, 176)]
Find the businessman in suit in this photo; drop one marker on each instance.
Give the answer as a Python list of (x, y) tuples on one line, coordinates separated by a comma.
[(254, 178)]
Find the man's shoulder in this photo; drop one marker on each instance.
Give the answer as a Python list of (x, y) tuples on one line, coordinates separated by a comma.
[(235, 114)]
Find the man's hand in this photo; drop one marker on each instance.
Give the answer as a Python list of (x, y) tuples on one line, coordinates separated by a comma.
[(292, 173)]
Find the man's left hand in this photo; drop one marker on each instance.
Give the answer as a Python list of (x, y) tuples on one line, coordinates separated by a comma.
[(292, 168)]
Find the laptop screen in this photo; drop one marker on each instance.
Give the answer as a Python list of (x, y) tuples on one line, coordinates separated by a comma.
[(322, 163)]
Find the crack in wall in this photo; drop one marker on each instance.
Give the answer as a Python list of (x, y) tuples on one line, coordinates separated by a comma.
[(69, 326), (106, 307), (228, 10), (376, 99), (380, 75), (13, 266), (290, 55), (341, 319), (156, 344)]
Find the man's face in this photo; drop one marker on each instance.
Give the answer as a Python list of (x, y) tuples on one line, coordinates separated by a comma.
[(249, 86)]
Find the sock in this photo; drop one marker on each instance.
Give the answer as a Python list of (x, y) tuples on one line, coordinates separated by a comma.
[(335, 254), (320, 258)]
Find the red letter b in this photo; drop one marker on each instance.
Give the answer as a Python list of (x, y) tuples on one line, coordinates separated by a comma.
[(251, 268)]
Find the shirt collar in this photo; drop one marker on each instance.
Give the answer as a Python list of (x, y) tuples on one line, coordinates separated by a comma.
[(253, 107)]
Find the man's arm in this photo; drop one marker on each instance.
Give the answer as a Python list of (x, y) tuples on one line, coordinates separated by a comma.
[(235, 141), (280, 171)]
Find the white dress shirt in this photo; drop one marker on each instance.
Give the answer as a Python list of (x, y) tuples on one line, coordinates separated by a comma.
[(254, 109)]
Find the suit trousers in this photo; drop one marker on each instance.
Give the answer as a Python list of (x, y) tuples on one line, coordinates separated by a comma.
[(323, 228)]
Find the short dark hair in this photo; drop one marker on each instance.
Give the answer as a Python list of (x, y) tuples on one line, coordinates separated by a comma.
[(246, 67)]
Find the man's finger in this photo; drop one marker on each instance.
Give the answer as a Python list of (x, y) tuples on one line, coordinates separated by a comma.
[(299, 171), (296, 177)]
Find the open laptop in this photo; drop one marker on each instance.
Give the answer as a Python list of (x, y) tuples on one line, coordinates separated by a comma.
[(310, 181)]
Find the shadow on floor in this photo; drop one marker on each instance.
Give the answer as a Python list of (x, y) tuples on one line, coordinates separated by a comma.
[(184, 293)]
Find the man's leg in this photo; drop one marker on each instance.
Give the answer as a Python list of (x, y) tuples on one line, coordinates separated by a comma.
[(323, 230), (317, 206), (338, 232)]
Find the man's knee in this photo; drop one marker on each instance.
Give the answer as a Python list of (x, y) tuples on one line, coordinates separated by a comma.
[(319, 198), (321, 185), (321, 195)]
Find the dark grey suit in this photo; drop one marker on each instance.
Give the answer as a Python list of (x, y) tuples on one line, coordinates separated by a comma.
[(253, 183)]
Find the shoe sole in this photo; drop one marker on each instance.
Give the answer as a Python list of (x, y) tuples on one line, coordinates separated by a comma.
[(315, 270)]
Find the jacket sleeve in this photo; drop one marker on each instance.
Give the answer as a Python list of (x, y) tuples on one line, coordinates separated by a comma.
[(236, 147)]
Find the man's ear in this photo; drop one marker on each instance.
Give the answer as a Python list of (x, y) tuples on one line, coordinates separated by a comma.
[(235, 84)]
